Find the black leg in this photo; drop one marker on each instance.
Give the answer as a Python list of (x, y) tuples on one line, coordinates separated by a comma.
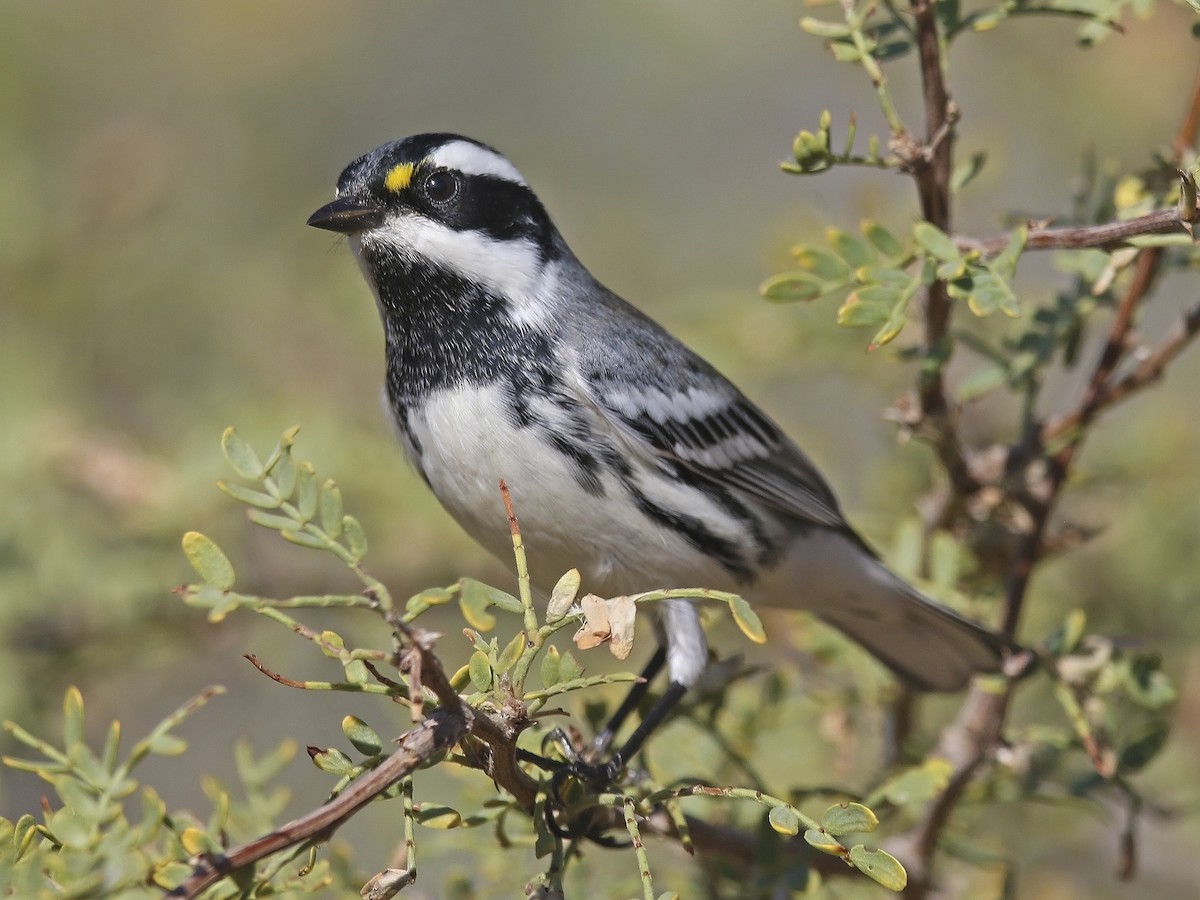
[(667, 702), (604, 739)]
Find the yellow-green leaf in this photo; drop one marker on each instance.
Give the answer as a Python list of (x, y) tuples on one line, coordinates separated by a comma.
[(847, 818), (747, 620), (209, 561), (481, 671), (241, 455), (823, 841), (563, 595), (434, 816), (784, 820), (364, 738), (880, 866)]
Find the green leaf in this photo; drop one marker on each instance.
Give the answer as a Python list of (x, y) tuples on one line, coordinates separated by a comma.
[(330, 503), (418, 603), (854, 251), (848, 818), (988, 377), (304, 539), (880, 866), (894, 324), (1147, 685), (1142, 748), (936, 242), (441, 817), (511, 653), (72, 720), (474, 599), (249, 496), (884, 241), (821, 28), (331, 761), (822, 264), (989, 293), (965, 172), (364, 738), (563, 595), (914, 786), (283, 472), (167, 745), (883, 275), (871, 305), (271, 520), (306, 490), (892, 50), (480, 671), (784, 820), (844, 52), (241, 455), (823, 841), (357, 671), (549, 668), (356, 538), (208, 560), (1005, 264), (747, 620), (568, 667), (791, 287)]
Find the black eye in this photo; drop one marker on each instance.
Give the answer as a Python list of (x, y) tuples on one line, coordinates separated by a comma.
[(440, 186)]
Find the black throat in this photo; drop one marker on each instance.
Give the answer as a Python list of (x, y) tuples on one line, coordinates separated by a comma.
[(444, 331)]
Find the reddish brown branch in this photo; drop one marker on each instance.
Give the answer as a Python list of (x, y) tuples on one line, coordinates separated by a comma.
[(931, 169), (969, 742), (1105, 236), (439, 731)]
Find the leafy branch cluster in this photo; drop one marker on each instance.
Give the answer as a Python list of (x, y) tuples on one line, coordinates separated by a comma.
[(472, 718), (1121, 233)]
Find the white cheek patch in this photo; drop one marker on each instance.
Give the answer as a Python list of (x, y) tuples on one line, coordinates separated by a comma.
[(471, 159), (512, 269)]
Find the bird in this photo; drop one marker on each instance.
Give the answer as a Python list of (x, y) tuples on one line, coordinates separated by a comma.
[(627, 455)]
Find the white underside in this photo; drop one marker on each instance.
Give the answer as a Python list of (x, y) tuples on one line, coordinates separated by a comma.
[(618, 550)]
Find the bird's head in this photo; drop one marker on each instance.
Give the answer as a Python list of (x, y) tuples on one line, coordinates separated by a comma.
[(445, 201)]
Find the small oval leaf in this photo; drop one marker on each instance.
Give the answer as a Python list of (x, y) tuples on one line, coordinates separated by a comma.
[(356, 538), (747, 620), (241, 455), (433, 816), (563, 595), (784, 820), (846, 818), (791, 287), (481, 671), (936, 242), (330, 504), (824, 842), (362, 736), (209, 561), (879, 866)]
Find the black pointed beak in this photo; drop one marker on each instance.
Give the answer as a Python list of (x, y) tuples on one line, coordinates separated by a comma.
[(347, 215)]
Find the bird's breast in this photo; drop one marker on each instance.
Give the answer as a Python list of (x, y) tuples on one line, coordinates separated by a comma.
[(575, 509)]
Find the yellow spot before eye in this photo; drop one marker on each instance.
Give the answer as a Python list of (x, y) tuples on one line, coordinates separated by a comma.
[(399, 177)]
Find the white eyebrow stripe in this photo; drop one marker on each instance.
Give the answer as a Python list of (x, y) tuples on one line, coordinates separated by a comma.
[(471, 159)]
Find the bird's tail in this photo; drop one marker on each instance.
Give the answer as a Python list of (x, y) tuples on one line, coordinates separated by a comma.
[(927, 644)]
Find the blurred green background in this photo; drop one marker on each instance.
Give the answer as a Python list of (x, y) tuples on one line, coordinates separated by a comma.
[(157, 283)]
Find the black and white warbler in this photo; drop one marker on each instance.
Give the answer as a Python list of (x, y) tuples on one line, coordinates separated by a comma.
[(627, 455)]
